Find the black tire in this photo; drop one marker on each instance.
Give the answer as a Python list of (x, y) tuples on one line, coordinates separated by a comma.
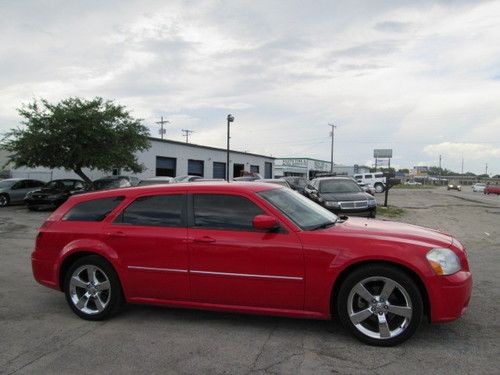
[(4, 200), (365, 330), (379, 187), (104, 271)]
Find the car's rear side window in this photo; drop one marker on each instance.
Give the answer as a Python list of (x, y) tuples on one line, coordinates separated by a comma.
[(157, 210), (93, 210), (224, 212)]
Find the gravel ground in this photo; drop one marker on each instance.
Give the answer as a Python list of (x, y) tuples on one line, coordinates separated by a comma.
[(39, 334)]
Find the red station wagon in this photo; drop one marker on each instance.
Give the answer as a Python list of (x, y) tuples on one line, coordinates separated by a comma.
[(252, 248), (492, 189)]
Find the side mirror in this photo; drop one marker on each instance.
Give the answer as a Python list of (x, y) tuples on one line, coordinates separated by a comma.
[(264, 222)]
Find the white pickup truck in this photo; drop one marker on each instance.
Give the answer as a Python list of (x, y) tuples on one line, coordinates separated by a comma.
[(377, 180)]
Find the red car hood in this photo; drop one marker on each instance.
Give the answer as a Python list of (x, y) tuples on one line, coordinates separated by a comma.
[(391, 230)]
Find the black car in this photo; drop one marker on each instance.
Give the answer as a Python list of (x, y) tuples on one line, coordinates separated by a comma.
[(297, 183), (54, 193), (341, 195), (114, 182)]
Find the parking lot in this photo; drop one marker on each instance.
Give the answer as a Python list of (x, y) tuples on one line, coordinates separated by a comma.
[(39, 333)]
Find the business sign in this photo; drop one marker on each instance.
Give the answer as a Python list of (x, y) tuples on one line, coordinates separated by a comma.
[(382, 153)]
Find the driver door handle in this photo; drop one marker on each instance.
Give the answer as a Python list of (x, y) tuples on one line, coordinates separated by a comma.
[(204, 239), (116, 234)]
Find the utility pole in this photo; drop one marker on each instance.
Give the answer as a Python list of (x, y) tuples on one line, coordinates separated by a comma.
[(186, 133), (332, 134), (486, 172), (462, 164), (230, 119), (439, 162), (161, 123)]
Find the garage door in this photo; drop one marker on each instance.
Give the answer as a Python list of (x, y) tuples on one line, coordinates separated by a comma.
[(195, 167), (219, 170)]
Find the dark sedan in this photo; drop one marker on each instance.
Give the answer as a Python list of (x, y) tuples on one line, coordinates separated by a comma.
[(54, 193), (342, 195)]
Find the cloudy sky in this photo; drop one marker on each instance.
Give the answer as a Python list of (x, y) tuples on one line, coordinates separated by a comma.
[(421, 77)]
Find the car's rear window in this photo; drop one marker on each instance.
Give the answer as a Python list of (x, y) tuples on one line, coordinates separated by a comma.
[(93, 210)]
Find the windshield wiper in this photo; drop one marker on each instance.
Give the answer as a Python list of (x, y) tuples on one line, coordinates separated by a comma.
[(328, 224)]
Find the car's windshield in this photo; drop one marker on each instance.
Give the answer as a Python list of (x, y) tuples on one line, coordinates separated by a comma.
[(339, 186), (110, 183), (302, 211), (59, 184), (153, 182), (7, 183)]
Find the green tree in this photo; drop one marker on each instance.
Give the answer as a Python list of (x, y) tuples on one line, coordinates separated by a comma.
[(75, 134)]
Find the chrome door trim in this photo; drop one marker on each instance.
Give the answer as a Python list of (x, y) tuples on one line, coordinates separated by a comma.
[(246, 275), (157, 269)]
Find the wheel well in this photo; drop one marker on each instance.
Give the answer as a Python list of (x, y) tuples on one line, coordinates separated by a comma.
[(343, 275), (69, 261)]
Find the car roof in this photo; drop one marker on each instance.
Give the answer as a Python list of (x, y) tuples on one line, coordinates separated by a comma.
[(334, 178), (206, 187)]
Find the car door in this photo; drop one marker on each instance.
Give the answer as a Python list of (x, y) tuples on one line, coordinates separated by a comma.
[(150, 236), (19, 191), (233, 264)]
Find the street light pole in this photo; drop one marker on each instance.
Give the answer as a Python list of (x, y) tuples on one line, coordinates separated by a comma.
[(230, 119), (331, 157)]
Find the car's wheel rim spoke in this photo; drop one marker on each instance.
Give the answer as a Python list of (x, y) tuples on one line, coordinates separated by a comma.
[(90, 289), (379, 307)]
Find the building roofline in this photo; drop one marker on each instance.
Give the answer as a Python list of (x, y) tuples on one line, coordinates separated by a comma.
[(208, 147), (324, 161)]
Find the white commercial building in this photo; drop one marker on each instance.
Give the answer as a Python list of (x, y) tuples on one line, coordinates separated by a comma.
[(308, 168), (173, 158)]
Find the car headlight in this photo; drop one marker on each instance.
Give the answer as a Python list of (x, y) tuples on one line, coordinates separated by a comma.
[(331, 204), (372, 202), (443, 261)]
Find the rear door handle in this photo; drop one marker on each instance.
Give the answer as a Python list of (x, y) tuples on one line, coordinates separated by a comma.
[(116, 234), (205, 239)]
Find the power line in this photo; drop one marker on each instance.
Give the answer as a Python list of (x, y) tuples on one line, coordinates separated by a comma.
[(161, 123)]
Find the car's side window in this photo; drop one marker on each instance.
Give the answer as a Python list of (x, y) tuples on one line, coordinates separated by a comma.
[(224, 211), (93, 210), (157, 210)]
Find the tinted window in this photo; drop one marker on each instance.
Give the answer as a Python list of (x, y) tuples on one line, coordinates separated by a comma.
[(368, 176), (228, 212), (339, 186), (20, 185), (158, 210), (93, 210), (379, 175)]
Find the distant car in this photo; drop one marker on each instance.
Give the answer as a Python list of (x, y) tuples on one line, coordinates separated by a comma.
[(412, 183), (377, 180), (156, 181), (247, 178), (297, 183), (114, 182), (278, 181), (367, 188), (186, 178), (492, 189), (342, 195), (13, 190), (454, 187), (479, 187), (54, 193)]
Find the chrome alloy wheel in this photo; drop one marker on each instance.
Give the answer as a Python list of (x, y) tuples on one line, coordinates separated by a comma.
[(90, 289), (379, 307)]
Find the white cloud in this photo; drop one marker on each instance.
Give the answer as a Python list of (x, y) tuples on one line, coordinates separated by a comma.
[(472, 151)]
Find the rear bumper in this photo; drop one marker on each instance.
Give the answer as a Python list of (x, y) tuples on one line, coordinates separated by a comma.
[(44, 273), (450, 296)]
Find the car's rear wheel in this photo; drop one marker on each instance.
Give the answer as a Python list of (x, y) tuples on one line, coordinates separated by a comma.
[(92, 288), (379, 188), (4, 200), (380, 305)]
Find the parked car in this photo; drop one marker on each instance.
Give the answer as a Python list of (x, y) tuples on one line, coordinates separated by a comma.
[(278, 181), (492, 189), (13, 190), (186, 178), (114, 182), (413, 183), (367, 188), (252, 248), (297, 183), (342, 195), (247, 178), (478, 187), (54, 193), (156, 181), (377, 180), (454, 186)]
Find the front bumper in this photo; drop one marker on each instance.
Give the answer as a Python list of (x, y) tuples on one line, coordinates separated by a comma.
[(34, 202), (449, 296), (365, 212)]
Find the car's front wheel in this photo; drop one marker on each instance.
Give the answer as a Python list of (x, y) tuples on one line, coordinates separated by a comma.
[(92, 288), (379, 188), (380, 305)]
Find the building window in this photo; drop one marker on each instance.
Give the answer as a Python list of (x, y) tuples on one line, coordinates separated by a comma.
[(219, 170), (195, 167), (268, 170), (166, 166), (254, 168)]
